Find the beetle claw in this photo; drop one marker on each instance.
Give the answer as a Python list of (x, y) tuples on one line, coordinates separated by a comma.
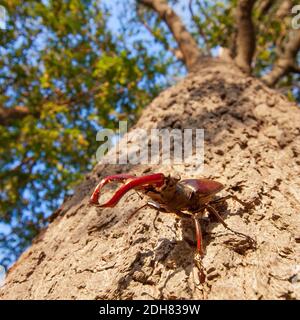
[(94, 199), (131, 182)]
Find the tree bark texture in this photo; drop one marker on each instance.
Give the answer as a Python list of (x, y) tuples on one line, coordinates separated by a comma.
[(252, 145)]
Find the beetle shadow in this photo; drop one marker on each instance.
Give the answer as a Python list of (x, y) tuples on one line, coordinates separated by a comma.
[(178, 255), (184, 258), (179, 258), (175, 256), (235, 240)]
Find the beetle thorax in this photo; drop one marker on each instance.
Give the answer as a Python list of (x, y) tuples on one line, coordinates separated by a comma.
[(172, 195)]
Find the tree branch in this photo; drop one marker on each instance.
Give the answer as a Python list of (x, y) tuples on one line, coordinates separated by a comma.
[(265, 6), (284, 9), (7, 115), (203, 35), (184, 39), (286, 61), (176, 52), (245, 42)]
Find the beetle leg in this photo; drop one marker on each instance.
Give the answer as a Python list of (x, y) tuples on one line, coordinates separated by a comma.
[(222, 199), (199, 265), (199, 253), (135, 211), (150, 203), (154, 205), (215, 212), (154, 221), (157, 206), (247, 205), (141, 197), (198, 236)]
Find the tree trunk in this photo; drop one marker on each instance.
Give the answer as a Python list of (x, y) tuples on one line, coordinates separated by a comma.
[(251, 144)]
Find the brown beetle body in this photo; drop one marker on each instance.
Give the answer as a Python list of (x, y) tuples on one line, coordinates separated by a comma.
[(186, 195)]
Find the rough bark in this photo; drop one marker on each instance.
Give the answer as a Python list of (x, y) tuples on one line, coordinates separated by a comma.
[(252, 144)]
